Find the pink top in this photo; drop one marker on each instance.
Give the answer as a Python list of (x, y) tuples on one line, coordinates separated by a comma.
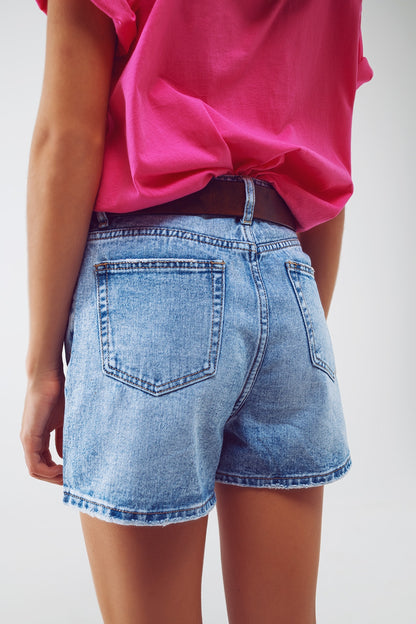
[(260, 88)]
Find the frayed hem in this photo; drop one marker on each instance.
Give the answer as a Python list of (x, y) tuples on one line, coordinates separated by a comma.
[(105, 512), (286, 483)]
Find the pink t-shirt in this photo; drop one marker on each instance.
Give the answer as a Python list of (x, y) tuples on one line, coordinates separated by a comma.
[(260, 88)]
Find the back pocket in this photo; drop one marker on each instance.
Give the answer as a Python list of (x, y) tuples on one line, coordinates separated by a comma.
[(302, 278), (160, 321)]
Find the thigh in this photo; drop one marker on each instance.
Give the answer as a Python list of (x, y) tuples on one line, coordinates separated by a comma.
[(270, 545), (146, 574)]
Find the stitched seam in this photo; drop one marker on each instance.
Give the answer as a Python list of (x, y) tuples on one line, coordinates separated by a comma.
[(124, 266), (166, 383), (98, 283), (308, 324), (311, 332), (242, 399), (185, 234), (275, 245), (136, 513), (212, 315), (107, 314), (96, 235), (302, 267), (127, 376), (323, 474)]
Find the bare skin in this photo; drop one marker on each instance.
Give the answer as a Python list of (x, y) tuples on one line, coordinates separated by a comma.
[(64, 174), (269, 538), (270, 543), (147, 575)]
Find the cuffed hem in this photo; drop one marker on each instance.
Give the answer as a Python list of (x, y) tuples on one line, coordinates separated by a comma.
[(282, 482), (104, 511)]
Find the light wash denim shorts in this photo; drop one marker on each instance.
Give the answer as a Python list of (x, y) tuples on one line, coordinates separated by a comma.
[(197, 351)]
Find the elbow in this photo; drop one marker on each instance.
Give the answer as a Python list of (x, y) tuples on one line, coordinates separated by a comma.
[(70, 140), (65, 160)]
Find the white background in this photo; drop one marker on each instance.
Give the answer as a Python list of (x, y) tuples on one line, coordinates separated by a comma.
[(367, 567)]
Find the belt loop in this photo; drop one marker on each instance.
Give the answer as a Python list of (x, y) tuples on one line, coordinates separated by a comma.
[(102, 219), (247, 218)]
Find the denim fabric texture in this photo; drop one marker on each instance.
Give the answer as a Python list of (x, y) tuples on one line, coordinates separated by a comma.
[(197, 351)]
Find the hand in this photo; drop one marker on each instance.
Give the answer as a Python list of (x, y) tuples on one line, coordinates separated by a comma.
[(43, 413)]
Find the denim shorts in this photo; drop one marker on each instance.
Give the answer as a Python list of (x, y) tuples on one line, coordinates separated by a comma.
[(197, 351)]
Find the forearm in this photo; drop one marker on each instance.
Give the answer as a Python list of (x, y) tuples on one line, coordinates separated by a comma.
[(64, 174), (323, 244)]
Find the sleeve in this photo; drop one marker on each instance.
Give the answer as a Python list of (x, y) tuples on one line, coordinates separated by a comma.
[(364, 71), (124, 19)]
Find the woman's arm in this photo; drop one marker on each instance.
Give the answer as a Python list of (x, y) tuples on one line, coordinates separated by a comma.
[(64, 173), (323, 244)]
